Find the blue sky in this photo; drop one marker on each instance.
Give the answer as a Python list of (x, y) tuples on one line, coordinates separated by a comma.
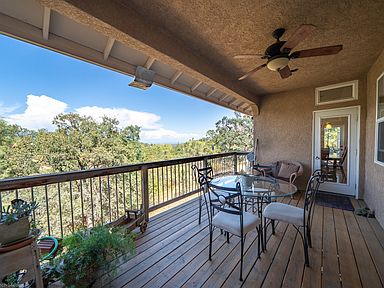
[(36, 84)]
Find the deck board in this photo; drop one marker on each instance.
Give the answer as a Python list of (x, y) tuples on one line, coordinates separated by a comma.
[(173, 252)]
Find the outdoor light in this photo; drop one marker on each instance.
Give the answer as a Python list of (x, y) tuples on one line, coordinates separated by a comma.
[(143, 78), (277, 63)]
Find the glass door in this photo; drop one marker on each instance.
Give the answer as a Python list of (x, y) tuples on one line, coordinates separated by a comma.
[(336, 149)]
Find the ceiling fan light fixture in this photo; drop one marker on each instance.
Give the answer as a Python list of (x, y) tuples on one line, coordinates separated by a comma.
[(277, 63)]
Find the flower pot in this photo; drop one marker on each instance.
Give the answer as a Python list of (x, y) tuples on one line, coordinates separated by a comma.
[(15, 231)]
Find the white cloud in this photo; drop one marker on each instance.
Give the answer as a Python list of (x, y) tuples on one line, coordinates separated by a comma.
[(124, 116), (162, 135), (41, 110), (39, 113)]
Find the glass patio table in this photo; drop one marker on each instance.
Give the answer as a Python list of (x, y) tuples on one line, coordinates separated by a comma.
[(255, 186)]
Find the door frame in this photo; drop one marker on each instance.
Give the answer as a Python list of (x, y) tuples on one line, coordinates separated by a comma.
[(357, 171)]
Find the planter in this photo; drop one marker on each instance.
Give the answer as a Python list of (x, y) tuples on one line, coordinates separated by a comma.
[(15, 231), (88, 280)]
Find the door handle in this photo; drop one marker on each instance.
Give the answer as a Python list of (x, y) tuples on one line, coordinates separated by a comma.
[(317, 158)]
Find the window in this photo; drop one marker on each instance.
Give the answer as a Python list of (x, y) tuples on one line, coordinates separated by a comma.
[(340, 92), (379, 145)]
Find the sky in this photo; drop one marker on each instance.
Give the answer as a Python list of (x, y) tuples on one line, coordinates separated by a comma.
[(37, 84)]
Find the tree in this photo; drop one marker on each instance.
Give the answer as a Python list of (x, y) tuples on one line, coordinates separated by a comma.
[(232, 134)]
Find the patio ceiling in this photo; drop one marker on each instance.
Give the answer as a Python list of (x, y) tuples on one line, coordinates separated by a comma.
[(218, 30), (190, 44)]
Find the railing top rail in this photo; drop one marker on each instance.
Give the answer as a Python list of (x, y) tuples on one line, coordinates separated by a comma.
[(45, 179)]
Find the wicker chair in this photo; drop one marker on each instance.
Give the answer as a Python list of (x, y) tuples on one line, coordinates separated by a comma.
[(294, 170)]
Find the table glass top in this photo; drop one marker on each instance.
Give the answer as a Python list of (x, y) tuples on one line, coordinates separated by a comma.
[(252, 185)]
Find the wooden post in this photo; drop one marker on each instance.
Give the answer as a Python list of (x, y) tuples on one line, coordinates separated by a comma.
[(235, 163), (144, 191), (205, 162), (24, 258), (205, 165)]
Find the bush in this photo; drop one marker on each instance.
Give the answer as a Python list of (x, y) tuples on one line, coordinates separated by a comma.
[(87, 252)]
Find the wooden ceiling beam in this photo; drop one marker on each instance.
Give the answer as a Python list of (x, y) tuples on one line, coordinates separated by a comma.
[(176, 76), (108, 47), (196, 85), (222, 98), (210, 92), (148, 64), (232, 101), (46, 22)]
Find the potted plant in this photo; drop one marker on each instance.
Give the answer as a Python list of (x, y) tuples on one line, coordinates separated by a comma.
[(87, 252), (14, 221)]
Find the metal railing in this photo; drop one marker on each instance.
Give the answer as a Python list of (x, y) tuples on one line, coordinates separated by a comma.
[(81, 199)]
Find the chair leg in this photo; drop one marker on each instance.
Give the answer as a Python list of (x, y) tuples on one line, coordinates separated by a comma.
[(241, 259), (210, 243), (305, 244), (227, 237), (309, 237), (306, 254), (200, 204), (259, 235), (273, 226), (264, 236)]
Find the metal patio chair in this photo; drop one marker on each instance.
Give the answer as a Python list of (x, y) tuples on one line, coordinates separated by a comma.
[(298, 217), (202, 175), (231, 217)]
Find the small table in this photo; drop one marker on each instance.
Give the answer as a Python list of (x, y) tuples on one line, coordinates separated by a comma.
[(259, 188)]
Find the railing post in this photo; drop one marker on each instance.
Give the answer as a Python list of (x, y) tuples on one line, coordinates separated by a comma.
[(235, 163), (144, 191), (205, 162)]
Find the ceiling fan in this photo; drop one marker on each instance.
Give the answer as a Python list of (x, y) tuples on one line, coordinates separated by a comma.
[(279, 53)]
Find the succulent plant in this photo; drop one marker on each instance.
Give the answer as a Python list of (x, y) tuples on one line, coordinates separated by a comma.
[(16, 211)]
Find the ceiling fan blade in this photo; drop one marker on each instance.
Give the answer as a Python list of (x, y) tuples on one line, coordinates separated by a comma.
[(285, 72), (252, 71), (321, 51), (248, 56), (300, 34)]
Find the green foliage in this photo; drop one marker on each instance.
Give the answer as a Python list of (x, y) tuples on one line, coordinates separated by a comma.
[(17, 210), (81, 143), (232, 134), (85, 252)]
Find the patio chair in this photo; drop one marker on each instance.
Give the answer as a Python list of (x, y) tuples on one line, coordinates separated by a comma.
[(287, 170), (340, 163), (202, 175), (231, 218), (298, 217)]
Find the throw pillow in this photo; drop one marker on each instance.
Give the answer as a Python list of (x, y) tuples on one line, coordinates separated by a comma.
[(287, 169)]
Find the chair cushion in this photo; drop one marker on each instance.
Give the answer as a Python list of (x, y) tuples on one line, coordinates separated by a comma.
[(231, 222), (286, 170), (285, 213)]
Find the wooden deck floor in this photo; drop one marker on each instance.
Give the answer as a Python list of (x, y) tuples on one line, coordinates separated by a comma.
[(348, 251)]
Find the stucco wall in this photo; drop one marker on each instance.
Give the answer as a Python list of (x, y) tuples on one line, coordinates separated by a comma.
[(284, 127), (374, 178)]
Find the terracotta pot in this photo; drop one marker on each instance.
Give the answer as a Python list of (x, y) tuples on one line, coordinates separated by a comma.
[(15, 231)]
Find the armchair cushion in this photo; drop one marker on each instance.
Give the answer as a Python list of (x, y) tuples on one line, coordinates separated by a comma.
[(287, 169)]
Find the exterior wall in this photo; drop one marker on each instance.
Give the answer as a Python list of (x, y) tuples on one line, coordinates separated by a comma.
[(374, 177), (284, 127)]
